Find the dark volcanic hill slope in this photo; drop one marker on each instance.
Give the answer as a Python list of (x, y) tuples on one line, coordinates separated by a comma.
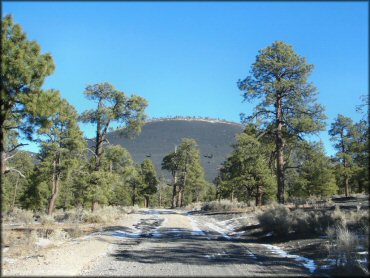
[(159, 137)]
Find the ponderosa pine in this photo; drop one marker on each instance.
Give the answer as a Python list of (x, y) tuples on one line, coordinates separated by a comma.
[(279, 79)]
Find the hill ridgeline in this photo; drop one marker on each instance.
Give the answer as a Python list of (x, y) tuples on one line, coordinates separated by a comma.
[(160, 136)]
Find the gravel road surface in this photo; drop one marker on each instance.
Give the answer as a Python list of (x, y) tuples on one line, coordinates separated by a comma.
[(163, 242)]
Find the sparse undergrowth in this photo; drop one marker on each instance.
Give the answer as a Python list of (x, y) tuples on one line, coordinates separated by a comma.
[(347, 232), (108, 214), (39, 230), (224, 205)]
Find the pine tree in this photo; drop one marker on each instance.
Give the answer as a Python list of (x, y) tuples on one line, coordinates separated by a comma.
[(341, 134), (135, 182), (171, 163), (63, 141), (314, 174), (186, 169), (113, 106), (15, 183), (247, 170), (360, 153), (279, 77), (23, 105), (149, 179), (117, 160)]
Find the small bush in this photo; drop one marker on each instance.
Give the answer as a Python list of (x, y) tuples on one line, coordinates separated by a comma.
[(93, 218), (339, 217), (58, 235), (76, 215), (279, 220), (75, 231), (46, 219), (276, 219), (194, 206), (223, 205), (21, 216), (302, 222), (104, 215), (343, 247), (129, 209), (359, 221)]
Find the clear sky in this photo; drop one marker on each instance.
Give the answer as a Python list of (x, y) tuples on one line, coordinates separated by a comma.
[(186, 57)]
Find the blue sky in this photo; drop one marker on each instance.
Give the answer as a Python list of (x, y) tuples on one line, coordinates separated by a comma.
[(186, 57)]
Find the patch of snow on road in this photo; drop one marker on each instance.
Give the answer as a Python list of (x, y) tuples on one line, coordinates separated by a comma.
[(330, 264), (152, 212), (195, 229), (214, 256), (307, 263), (156, 232), (250, 254), (119, 233), (237, 234), (218, 229), (229, 221), (229, 226)]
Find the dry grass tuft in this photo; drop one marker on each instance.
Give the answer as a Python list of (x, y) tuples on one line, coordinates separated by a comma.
[(223, 205), (45, 219), (20, 216), (342, 246), (194, 206)]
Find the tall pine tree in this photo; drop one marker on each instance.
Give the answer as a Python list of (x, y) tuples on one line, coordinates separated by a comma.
[(113, 106), (279, 79), (23, 105)]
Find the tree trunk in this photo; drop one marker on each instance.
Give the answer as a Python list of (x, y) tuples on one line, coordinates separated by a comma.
[(134, 195), (94, 205), (181, 196), (232, 196), (2, 137), (259, 197), (174, 191), (346, 187), (346, 179), (15, 192), (182, 188), (174, 195), (279, 140), (178, 201), (55, 186), (99, 150), (3, 162), (146, 201)]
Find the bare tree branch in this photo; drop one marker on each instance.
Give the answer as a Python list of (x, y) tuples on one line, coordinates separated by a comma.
[(17, 146), (14, 170)]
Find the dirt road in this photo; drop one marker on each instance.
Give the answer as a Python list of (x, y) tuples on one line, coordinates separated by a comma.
[(163, 242)]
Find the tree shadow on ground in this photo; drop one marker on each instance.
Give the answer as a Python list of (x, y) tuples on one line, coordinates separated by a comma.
[(208, 249)]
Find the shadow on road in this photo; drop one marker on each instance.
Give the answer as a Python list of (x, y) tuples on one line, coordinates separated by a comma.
[(187, 249)]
